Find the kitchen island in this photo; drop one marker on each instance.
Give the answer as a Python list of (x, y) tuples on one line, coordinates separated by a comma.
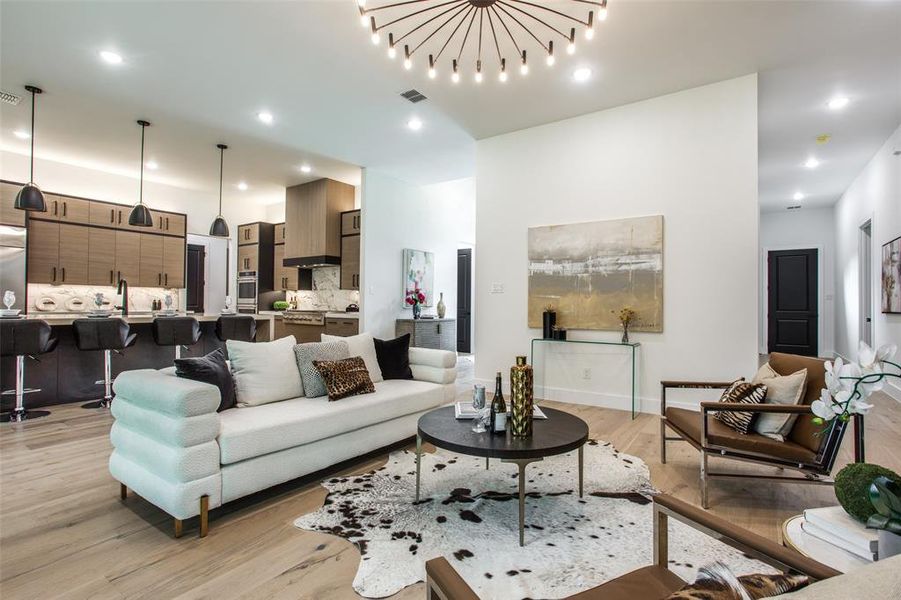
[(69, 375)]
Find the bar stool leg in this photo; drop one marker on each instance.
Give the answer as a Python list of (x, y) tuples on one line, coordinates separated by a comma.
[(177, 351), (19, 414), (107, 383)]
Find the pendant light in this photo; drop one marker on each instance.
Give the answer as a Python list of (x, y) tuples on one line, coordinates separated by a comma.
[(140, 215), (30, 197), (219, 228)]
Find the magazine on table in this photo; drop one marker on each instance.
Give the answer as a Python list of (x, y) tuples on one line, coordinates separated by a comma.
[(464, 410)]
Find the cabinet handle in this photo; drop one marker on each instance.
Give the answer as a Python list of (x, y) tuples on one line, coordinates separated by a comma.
[(54, 273), (439, 329), (160, 226), (64, 273), (167, 280), (112, 216), (120, 217), (167, 223), (111, 276), (118, 275), (159, 278), (65, 208)]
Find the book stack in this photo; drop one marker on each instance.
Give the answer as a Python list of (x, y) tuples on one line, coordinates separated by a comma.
[(833, 525)]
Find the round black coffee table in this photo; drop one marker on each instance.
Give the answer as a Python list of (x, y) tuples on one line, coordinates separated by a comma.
[(560, 433)]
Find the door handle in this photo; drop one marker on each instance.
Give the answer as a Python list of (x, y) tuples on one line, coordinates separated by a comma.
[(65, 208)]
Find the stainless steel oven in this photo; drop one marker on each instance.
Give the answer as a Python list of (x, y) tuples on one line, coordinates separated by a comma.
[(247, 291)]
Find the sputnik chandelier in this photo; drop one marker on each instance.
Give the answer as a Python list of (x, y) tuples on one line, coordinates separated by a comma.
[(450, 32)]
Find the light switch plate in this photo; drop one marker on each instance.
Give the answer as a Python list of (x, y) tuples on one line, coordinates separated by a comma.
[(497, 288)]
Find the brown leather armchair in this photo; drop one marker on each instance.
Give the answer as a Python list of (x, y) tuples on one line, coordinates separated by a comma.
[(807, 449), (655, 581)]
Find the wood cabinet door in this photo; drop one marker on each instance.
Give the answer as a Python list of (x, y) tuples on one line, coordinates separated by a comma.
[(9, 214), (249, 234), (101, 256), (350, 222), (43, 252), (73, 254), (350, 262), (103, 213), (128, 257), (166, 222), (280, 233), (248, 257), (151, 273), (73, 210), (278, 271), (174, 262)]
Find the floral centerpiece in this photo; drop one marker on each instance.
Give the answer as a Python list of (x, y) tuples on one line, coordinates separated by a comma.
[(849, 385), (626, 316), (415, 298)]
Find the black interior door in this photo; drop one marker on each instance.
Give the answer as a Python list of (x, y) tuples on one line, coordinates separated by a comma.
[(792, 302), (464, 300), (195, 277)]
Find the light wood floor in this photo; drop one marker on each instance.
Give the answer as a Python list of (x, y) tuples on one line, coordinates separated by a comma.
[(65, 534)]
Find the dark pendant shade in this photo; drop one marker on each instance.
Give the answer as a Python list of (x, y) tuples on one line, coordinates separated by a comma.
[(140, 216), (219, 228), (31, 198)]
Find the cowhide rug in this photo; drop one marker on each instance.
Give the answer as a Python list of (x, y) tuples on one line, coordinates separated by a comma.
[(470, 516)]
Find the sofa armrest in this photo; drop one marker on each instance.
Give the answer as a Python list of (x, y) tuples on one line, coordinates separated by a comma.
[(444, 583), (794, 409), (433, 374), (164, 393), (429, 357)]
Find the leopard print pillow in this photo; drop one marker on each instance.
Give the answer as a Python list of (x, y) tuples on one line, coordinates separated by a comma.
[(343, 378)]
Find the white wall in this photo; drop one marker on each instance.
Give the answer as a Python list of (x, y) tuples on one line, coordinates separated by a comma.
[(794, 230), (690, 156), (439, 218), (200, 206), (214, 269), (876, 195)]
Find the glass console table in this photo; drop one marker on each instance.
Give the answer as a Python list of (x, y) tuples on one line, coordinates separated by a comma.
[(632, 353)]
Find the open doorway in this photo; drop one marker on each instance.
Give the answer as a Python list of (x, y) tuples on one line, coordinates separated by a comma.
[(196, 280), (865, 287), (464, 300), (793, 301)]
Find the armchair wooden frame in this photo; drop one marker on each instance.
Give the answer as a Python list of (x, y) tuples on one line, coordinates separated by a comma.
[(812, 472), (444, 583)]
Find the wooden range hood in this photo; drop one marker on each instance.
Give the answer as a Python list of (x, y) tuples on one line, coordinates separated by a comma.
[(313, 222)]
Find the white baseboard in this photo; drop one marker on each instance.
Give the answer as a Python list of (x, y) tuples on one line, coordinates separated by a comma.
[(893, 390)]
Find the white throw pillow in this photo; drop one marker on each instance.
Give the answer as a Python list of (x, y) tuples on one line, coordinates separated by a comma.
[(265, 371), (788, 389), (363, 346)]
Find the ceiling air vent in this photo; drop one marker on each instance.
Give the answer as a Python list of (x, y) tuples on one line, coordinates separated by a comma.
[(10, 98), (414, 96), (795, 207)]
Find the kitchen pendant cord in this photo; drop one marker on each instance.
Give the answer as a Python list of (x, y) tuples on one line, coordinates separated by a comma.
[(141, 188), (221, 162), (31, 174)]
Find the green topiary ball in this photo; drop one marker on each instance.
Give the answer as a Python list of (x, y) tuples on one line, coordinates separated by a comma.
[(852, 486)]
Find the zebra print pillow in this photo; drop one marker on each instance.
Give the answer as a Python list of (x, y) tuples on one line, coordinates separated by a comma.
[(745, 393)]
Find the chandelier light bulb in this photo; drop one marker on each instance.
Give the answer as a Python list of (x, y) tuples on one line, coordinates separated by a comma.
[(502, 76), (589, 33), (376, 39), (455, 77), (408, 64), (478, 77), (364, 21), (602, 14), (524, 69), (432, 73), (550, 60), (392, 52), (571, 48)]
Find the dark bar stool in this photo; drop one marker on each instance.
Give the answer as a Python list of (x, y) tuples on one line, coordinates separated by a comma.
[(176, 331), (109, 335), (236, 327), (21, 338)]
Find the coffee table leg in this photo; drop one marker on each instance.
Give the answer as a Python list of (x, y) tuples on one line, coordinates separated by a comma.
[(521, 463), (418, 460), (581, 467), (486, 463)]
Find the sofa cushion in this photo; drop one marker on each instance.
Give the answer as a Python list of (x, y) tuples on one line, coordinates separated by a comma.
[(362, 345), (306, 354), (212, 369), (264, 372), (394, 357), (344, 378), (741, 392), (780, 389), (248, 432)]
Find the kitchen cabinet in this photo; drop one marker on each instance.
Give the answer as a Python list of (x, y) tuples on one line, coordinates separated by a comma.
[(128, 257), (249, 233), (9, 214), (102, 256), (342, 327), (173, 262), (65, 209), (313, 222), (248, 257), (351, 222), (284, 278), (350, 262), (151, 261), (103, 213), (280, 233), (168, 222), (73, 254), (43, 252)]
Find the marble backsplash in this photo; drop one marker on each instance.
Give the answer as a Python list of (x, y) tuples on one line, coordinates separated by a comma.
[(326, 293), (66, 297)]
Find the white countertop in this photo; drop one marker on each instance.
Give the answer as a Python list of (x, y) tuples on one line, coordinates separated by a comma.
[(328, 314), (60, 318)]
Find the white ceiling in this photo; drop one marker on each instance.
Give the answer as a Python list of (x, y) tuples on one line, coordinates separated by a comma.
[(202, 70)]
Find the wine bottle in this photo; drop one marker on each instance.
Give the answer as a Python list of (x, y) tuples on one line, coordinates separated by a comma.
[(498, 409)]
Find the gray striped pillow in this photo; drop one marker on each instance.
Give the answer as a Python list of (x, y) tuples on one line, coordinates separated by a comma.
[(745, 393)]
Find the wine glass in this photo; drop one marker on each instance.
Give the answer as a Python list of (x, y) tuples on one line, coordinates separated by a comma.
[(9, 299), (478, 403)]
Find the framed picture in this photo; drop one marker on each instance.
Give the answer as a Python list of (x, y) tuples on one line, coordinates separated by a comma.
[(419, 273), (891, 277)]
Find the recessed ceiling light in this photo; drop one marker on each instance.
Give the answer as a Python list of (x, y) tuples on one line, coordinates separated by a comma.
[(242, 186), (582, 74), (812, 163), (265, 117), (838, 103), (305, 168), (798, 197), (111, 57), (415, 124), (22, 134), (152, 165)]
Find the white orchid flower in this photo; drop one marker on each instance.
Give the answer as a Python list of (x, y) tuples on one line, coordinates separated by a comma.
[(859, 407), (823, 407)]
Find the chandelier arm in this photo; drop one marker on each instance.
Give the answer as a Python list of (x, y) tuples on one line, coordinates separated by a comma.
[(481, 27), (466, 36), (418, 12), (454, 32), (512, 39), (602, 4), (457, 4), (529, 31), (364, 11), (556, 12), (494, 33), (549, 26), (440, 27)]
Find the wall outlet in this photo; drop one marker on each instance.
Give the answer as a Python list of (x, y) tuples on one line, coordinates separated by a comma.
[(586, 374), (497, 288)]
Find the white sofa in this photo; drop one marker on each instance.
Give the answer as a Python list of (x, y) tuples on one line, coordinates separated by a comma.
[(174, 450)]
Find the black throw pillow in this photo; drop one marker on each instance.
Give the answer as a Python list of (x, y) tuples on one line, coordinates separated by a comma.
[(394, 357), (213, 369)]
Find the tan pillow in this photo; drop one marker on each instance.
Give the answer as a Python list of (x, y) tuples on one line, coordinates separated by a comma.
[(788, 390), (343, 378)]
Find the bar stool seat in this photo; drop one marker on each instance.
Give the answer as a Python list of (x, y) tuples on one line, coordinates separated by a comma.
[(176, 331), (108, 335), (21, 338), (236, 327)]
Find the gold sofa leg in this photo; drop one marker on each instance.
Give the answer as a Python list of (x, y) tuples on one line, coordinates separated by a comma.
[(204, 515), (179, 527)]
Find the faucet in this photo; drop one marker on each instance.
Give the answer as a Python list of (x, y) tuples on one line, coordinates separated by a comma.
[(123, 289)]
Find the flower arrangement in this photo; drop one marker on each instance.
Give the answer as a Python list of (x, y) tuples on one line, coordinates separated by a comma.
[(849, 385), (415, 298), (626, 316)]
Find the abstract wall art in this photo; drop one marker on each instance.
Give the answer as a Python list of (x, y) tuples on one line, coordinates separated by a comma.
[(419, 273), (891, 276)]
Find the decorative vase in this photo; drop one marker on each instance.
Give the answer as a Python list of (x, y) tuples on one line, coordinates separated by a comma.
[(442, 307), (416, 310), (625, 333), (549, 322), (889, 544), (521, 399)]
